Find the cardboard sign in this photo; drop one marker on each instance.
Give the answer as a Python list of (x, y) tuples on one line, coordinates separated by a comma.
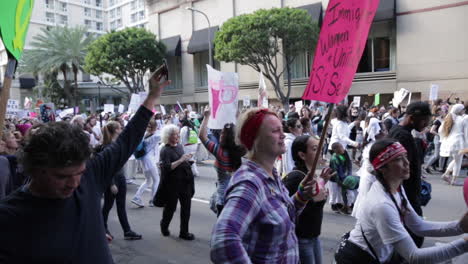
[(377, 99), (65, 112), (12, 107), (223, 88), (134, 103), (357, 101), (108, 108), (399, 96), (339, 49), (298, 105), (163, 110), (121, 108), (246, 101), (434, 92)]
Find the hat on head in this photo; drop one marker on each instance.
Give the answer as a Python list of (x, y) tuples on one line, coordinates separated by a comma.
[(193, 114)]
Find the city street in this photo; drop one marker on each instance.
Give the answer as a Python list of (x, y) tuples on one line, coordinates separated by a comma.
[(446, 204)]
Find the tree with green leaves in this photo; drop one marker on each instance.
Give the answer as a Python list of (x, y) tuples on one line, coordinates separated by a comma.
[(264, 37), (58, 49), (127, 54)]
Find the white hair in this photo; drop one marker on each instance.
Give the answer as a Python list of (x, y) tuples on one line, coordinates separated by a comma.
[(167, 131)]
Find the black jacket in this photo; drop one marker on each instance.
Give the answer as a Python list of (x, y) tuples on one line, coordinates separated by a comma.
[(309, 222)]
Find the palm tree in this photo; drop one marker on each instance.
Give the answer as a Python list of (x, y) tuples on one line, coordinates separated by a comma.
[(58, 49)]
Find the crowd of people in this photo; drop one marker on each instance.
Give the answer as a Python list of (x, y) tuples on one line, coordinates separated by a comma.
[(268, 201)]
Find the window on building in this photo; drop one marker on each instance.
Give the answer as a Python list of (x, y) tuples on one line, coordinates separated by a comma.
[(49, 4), (99, 3), (118, 23), (111, 2), (133, 4), (379, 52), (200, 60), (63, 7), (86, 77), (301, 66), (99, 26), (98, 14), (87, 23), (141, 15), (112, 13), (87, 12), (87, 2), (63, 20), (175, 70), (112, 25), (133, 18), (119, 11), (50, 17)]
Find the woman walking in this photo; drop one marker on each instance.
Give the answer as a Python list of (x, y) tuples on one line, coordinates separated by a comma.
[(380, 231), (453, 141), (227, 153), (294, 127), (118, 190), (148, 163), (258, 219), (177, 183), (309, 222)]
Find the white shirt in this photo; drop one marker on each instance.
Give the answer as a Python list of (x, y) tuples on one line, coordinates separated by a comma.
[(340, 133), (455, 141), (366, 179), (288, 162), (149, 161)]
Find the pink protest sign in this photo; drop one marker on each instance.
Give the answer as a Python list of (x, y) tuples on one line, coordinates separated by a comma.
[(341, 42)]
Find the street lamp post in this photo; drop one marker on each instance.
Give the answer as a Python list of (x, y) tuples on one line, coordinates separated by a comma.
[(210, 56)]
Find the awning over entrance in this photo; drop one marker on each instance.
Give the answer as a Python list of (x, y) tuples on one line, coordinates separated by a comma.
[(199, 40), (385, 11), (27, 81), (314, 10), (172, 45)]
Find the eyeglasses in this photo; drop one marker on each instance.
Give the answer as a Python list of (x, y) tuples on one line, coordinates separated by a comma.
[(298, 126)]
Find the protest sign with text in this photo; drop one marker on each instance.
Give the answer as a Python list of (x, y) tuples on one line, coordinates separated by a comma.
[(339, 49), (223, 88)]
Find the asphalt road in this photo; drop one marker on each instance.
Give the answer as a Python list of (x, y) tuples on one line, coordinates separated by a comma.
[(446, 204)]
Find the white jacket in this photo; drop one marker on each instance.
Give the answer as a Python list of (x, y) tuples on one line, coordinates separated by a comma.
[(340, 133), (288, 162)]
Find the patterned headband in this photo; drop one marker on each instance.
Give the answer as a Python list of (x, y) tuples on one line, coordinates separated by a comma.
[(388, 154)]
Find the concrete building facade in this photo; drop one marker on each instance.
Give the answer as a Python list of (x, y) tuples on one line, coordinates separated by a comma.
[(412, 44)]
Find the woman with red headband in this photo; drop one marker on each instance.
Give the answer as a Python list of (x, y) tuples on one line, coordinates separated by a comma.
[(257, 224), (380, 234)]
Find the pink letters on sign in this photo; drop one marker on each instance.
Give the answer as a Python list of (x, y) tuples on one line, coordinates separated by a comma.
[(342, 40)]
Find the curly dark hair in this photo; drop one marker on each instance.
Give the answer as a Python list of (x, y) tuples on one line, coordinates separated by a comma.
[(55, 145), (235, 151)]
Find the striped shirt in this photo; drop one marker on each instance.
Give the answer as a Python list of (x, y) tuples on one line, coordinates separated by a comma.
[(222, 163), (257, 222)]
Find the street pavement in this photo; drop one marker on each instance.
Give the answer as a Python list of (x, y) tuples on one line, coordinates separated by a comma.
[(446, 204)]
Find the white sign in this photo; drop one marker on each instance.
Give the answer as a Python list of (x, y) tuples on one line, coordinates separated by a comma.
[(434, 92), (189, 107), (163, 110), (134, 103), (298, 105), (399, 96), (357, 101), (262, 92), (108, 108), (68, 111), (121, 108), (12, 107), (246, 101), (223, 88)]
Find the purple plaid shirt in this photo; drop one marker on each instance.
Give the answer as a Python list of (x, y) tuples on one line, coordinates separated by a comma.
[(258, 220)]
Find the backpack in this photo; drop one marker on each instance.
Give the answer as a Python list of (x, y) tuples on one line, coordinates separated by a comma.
[(192, 137), (426, 189), (140, 151)]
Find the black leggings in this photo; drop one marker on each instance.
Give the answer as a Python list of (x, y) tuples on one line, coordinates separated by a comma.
[(120, 197), (185, 199)]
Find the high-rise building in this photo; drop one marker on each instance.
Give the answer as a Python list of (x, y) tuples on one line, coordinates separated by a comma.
[(99, 16)]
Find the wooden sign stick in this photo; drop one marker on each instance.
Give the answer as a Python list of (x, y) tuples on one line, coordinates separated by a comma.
[(5, 92)]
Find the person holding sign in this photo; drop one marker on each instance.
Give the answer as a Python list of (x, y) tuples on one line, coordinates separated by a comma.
[(57, 215), (258, 219), (380, 234)]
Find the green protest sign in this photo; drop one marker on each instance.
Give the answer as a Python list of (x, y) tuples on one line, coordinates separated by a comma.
[(14, 22), (377, 99)]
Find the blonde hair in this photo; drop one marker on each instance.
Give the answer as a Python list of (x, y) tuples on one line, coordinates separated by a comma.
[(108, 132), (167, 131), (241, 121), (449, 119)]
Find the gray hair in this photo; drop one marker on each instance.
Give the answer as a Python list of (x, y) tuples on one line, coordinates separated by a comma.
[(167, 131)]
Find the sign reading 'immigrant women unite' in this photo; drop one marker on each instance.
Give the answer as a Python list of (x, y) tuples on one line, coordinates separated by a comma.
[(339, 49)]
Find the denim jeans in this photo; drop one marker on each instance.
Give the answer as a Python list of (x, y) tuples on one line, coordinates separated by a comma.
[(223, 181), (310, 250)]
